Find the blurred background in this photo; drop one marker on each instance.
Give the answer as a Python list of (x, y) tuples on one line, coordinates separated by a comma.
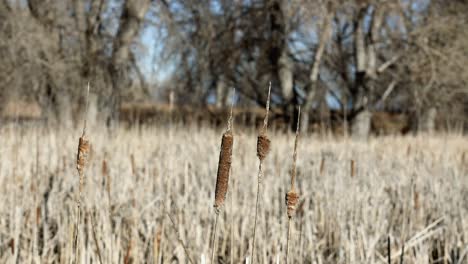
[(363, 66)]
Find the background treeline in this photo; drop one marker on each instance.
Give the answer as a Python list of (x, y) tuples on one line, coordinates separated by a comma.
[(351, 57)]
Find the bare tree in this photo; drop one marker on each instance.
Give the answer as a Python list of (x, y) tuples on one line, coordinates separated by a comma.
[(55, 47), (356, 57)]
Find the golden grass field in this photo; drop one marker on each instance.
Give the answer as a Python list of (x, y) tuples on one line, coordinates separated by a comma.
[(149, 193)]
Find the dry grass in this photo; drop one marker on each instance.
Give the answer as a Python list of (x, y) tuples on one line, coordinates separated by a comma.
[(418, 197)]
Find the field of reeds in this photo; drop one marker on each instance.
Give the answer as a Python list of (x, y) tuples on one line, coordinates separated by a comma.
[(148, 196)]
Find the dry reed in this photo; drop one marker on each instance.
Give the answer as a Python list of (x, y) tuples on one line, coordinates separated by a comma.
[(222, 179), (263, 148), (81, 161), (292, 197)]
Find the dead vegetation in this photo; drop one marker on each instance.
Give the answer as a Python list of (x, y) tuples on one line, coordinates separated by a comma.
[(412, 189)]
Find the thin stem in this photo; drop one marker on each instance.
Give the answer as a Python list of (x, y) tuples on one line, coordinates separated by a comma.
[(77, 230), (296, 142), (213, 250), (259, 182), (173, 224), (98, 249), (289, 238), (265, 121), (293, 178), (86, 112), (260, 174), (230, 125)]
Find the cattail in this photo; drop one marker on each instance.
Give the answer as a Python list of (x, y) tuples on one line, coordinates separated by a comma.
[(263, 142), (224, 167), (292, 199), (222, 178), (82, 157), (83, 151), (263, 147), (81, 162), (353, 168)]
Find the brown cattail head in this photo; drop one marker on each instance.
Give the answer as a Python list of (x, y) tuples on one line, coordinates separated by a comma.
[(224, 167), (291, 201), (353, 168), (82, 156), (263, 146)]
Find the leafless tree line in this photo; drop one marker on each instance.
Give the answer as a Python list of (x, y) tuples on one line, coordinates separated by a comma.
[(357, 56), (361, 55), (51, 49)]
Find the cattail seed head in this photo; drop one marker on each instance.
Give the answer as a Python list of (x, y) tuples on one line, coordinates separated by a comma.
[(263, 146), (224, 167), (82, 156), (292, 199)]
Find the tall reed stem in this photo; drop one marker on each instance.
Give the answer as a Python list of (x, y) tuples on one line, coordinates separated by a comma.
[(263, 147), (222, 178), (213, 250), (292, 197), (81, 160)]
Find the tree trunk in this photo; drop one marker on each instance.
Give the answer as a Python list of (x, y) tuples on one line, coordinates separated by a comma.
[(285, 75), (361, 125), (64, 110), (221, 93), (130, 21), (427, 120), (314, 74), (377, 20)]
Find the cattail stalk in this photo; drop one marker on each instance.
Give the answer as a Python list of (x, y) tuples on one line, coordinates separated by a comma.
[(222, 179), (292, 197), (263, 148), (81, 160)]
